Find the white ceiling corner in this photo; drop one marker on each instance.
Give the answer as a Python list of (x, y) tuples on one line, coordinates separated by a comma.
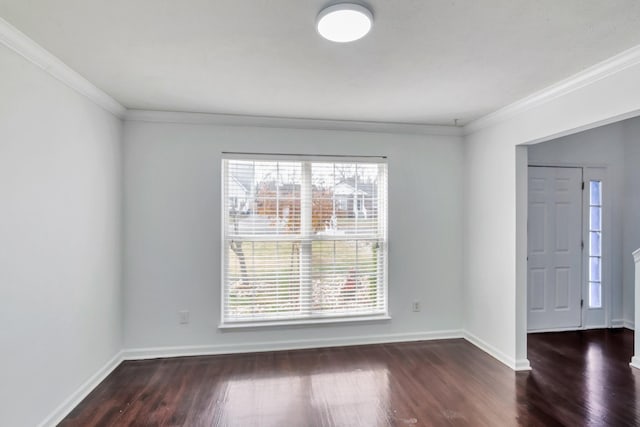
[(17, 41), (424, 63), (289, 123), (608, 67)]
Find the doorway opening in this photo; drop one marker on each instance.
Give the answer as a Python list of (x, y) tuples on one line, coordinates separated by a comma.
[(566, 256)]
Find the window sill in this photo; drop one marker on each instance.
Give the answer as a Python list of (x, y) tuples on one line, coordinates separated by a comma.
[(303, 322)]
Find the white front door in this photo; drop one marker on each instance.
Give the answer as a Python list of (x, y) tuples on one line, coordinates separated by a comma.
[(555, 248)]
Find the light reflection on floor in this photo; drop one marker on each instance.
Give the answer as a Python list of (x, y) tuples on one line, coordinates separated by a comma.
[(355, 398), (596, 372)]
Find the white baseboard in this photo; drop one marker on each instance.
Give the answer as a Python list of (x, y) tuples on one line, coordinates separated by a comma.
[(516, 365), (635, 362), (76, 397), (569, 329), (522, 365), (206, 350), (617, 323), (623, 323)]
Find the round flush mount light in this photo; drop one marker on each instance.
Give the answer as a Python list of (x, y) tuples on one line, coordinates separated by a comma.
[(344, 22)]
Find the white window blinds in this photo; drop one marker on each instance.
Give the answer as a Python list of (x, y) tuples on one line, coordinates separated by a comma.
[(303, 240)]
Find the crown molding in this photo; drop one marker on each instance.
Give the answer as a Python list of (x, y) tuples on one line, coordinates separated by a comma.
[(288, 122), (17, 41), (584, 78)]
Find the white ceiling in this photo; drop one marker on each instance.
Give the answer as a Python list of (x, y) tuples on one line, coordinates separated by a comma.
[(425, 61)]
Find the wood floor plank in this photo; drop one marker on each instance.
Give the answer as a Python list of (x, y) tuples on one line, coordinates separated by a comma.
[(578, 379)]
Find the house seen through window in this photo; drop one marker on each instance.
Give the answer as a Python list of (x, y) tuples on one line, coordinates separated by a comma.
[(304, 239)]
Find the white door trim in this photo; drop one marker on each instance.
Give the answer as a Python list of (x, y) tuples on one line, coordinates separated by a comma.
[(601, 317)]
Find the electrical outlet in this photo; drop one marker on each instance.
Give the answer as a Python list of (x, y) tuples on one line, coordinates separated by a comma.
[(415, 306), (184, 317)]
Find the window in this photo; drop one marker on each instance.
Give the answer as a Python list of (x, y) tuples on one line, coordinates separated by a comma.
[(303, 240), (595, 244)]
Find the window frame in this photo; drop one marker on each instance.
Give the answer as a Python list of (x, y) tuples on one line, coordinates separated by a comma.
[(590, 254), (328, 318), (597, 317)]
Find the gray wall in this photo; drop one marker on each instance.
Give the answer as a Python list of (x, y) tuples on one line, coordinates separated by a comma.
[(631, 233), (616, 146), (495, 209), (173, 232), (60, 293)]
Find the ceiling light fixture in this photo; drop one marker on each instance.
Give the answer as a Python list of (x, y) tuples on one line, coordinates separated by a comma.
[(345, 22)]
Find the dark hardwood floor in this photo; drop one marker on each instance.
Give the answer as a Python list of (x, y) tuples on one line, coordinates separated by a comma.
[(578, 379)]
